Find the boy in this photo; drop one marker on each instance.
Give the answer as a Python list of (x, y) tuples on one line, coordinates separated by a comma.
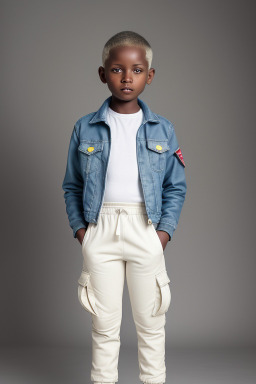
[(124, 190)]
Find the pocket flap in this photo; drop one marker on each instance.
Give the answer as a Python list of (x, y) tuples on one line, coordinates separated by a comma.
[(158, 146), (162, 278), (84, 278), (90, 147), (163, 294), (86, 294)]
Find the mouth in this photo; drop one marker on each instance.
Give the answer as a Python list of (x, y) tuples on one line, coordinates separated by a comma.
[(126, 90)]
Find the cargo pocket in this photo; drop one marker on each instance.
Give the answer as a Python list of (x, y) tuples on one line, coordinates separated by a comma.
[(163, 293), (85, 293)]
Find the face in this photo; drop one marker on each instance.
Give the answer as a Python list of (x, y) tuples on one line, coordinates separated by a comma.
[(126, 72)]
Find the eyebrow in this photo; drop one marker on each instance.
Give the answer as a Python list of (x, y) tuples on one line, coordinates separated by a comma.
[(133, 64)]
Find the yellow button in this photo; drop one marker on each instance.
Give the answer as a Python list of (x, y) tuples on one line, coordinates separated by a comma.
[(149, 221), (90, 149), (158, 147)]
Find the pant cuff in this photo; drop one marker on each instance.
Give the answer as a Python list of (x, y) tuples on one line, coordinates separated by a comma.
[(104, 382), (160, 380), (100, 380), (153, 382)]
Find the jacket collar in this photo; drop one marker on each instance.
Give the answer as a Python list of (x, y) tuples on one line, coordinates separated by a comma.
[(100, 115)]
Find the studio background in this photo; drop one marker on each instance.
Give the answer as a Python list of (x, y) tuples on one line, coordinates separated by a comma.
[(204, 57)]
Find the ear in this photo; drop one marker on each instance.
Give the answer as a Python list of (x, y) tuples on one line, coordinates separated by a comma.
[(151, 74), (101, 71)]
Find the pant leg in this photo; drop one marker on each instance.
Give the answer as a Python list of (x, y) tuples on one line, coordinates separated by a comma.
[(149, 293), (103, 264)]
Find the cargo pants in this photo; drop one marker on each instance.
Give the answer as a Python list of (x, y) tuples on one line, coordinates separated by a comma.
[(123, 245)]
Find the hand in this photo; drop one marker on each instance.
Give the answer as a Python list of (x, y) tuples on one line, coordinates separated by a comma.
[(164, 238), (80, 234)]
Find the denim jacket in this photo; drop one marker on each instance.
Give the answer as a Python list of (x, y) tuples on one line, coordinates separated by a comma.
[(160, 164)]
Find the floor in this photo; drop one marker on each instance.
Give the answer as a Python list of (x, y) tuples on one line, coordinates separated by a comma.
[(72, 366)]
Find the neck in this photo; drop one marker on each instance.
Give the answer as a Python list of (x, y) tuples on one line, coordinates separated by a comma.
[(122, 106)]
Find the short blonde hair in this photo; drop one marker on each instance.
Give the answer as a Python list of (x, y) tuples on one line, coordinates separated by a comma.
[(127, 38)]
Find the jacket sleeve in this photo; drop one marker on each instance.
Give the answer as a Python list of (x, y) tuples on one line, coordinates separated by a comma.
[(73, 187), (174, 188)]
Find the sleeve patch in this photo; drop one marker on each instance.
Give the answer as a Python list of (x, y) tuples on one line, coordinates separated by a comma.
[(180, 156)]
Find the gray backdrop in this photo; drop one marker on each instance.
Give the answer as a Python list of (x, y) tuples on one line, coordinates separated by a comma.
[(204, 56)]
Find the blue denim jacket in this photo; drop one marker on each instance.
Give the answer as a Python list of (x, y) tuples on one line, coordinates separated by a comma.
[(161, 169)]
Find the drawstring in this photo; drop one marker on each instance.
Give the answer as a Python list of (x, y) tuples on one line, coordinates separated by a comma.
[(118, 227)]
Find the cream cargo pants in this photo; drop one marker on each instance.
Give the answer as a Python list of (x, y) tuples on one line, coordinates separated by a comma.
[(123, 245)]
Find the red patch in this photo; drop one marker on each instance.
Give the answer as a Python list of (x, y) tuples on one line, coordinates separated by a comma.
[(180, 156)]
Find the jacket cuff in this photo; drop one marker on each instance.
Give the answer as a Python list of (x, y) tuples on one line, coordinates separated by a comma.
[(78, 226), (163, 226)]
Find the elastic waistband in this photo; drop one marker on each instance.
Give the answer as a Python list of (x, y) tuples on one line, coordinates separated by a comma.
[(134, 208)]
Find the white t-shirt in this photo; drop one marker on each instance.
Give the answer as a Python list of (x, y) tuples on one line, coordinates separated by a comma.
[(122, 178)]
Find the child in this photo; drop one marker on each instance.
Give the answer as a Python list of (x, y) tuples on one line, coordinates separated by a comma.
[(124, 190)]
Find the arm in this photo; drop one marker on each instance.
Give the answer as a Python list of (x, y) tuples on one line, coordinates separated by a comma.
[(73, 187), (174, 189)]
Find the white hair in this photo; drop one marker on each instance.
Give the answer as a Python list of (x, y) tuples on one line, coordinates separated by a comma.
[(127, 38)]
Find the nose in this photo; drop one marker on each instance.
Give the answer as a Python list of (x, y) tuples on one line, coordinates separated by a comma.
[(127, 77)]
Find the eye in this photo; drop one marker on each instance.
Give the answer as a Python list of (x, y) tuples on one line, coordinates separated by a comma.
[(115, 70), (138, 69)]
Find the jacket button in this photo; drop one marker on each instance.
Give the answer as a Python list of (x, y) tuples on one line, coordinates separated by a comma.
[(149, 221)]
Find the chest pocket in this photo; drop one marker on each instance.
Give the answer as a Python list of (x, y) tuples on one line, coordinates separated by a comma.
[(90, 153), (157, 152)]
